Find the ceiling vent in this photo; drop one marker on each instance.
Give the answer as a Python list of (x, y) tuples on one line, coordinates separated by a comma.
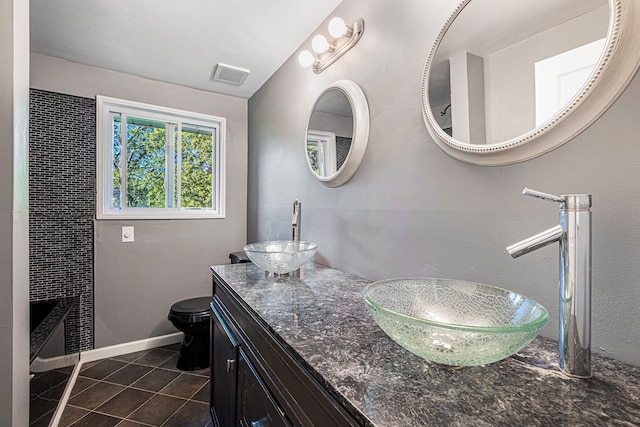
[(229, 74)]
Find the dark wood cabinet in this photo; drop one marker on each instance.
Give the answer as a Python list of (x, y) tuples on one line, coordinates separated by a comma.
[(224, 371), (255, 380), (239, 397), (256, 406)]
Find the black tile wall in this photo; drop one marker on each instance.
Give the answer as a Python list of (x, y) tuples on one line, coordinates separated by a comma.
[(343, 145), (62, 146)]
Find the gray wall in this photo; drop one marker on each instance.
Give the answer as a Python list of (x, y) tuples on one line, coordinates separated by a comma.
[(136, 283), (14, 213), (340, 125), (507, 120), (411, 210)]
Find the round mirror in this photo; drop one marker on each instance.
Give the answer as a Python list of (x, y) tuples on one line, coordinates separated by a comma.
[(507, 81), (337, 133)]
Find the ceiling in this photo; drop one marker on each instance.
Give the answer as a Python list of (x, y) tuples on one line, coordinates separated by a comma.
[(508, 24), (178, 42)]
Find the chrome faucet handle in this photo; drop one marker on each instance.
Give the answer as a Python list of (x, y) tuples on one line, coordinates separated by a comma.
[(296, 213), (544, 196)]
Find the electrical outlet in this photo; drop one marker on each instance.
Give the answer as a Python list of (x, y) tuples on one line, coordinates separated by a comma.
[(127, 234)]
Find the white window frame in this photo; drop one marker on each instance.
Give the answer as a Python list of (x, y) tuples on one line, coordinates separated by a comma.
[(106, 107), (327, 151)]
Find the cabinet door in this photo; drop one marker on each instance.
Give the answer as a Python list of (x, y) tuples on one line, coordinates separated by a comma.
[(256, 406), (224, 371)]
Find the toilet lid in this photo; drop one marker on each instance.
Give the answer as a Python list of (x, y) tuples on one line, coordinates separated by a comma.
[(191, 310)]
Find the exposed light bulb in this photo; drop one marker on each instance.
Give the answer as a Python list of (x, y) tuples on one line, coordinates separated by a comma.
[(337, 27), (306, 58), (319, 44)]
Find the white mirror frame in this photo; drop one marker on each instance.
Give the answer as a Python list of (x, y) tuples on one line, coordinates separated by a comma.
[(360, 137), (617, 66)]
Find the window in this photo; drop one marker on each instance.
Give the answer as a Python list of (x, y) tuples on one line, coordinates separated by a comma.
[(321, 151), (156, 162)]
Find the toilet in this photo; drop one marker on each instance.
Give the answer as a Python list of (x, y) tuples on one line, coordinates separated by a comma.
[(191, 316)]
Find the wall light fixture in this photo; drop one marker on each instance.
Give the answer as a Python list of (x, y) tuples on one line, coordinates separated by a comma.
[(344, 38)]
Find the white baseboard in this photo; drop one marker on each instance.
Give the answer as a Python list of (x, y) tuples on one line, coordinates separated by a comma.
[(130, 347), (50, 363), (102, 353)]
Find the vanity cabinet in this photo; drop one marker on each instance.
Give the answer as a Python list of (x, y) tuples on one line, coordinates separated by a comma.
[(224, 371), (256, 406), (255, 380)]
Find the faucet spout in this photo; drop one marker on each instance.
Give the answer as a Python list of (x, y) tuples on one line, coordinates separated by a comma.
[(540, 240), (574, 236)]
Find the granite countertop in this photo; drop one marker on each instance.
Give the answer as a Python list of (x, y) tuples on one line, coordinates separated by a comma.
[(321, 318)]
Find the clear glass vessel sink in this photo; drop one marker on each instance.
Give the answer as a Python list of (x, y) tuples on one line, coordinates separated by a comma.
[(280, 256), (454, 322)]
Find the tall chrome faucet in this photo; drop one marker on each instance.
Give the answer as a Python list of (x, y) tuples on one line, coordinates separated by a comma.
[(574, 236), (295, 221), (295, 227)]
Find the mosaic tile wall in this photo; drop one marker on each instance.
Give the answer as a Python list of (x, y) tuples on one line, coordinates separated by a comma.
[(62, 146), (343, 145)]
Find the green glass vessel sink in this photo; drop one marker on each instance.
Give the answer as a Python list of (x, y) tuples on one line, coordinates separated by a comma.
[(454, 322), (280, 256)]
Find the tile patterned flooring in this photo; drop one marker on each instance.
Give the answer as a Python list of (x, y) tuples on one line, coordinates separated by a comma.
[(139, 389), (46, 390)]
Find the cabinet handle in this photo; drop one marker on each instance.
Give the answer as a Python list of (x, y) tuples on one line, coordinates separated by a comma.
[(231, 364)]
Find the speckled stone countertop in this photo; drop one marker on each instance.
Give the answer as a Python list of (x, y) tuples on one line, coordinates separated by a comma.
[(321, 318)]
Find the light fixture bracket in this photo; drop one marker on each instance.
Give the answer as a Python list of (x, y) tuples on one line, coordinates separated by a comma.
[(341, 46)]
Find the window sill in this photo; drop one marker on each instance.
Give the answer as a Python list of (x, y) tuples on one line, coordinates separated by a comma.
[(147, 216)]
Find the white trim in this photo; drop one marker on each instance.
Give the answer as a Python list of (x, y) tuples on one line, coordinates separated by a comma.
[(327, 153), (105, 106), (166, 213), (360, 109), (130, 347), (170, 152), (47, 364), (103, 353), (221, 151)]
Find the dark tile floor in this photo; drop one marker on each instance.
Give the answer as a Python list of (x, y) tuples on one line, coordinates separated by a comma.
[(46, 390), (139, 389)]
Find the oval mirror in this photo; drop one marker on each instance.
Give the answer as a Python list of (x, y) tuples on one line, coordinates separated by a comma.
[(337, 133), (507, 80)]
